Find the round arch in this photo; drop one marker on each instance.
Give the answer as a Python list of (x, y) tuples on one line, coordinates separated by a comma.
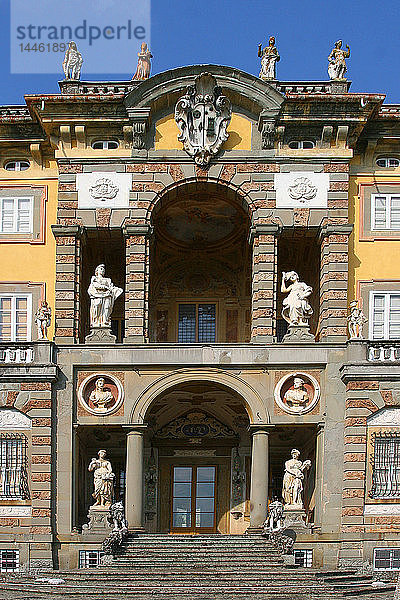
[(256, 410)]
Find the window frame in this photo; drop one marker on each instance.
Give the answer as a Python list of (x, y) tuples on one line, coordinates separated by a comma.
[(307, 562), (388, 212), (386, 320), (18, 162), (391, 550), (105, 144), (14, 460), (14, 296), (301, 144), (197, 303), (16, 200), (84, 559), (387, 159), (4, 559)]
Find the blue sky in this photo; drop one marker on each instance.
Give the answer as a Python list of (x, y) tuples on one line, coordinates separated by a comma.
[(228, 32)]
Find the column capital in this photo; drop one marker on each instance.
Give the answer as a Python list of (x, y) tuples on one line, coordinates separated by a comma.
[(137, 229), (67, 230), (137, 428), (267, 428), (332, 229), (264, 229)]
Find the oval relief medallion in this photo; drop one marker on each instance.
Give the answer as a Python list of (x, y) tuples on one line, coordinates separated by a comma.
[(101, 394), (297, 393)]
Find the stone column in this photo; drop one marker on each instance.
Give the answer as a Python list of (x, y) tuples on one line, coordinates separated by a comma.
[(137, 240), (134, 477), (319, 462), (259, 475), (264, 281), (333, 282), (68, 282)]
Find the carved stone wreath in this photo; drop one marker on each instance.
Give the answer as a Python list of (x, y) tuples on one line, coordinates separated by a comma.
[(202, 115)]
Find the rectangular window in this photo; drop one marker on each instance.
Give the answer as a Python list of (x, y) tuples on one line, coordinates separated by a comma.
[(196, 323), (303, 558), (9, 561), (385, 211), (16, 215), (90, 559), (13, 466), (387, 559), (15, 317), (386, 466), (385, 315)]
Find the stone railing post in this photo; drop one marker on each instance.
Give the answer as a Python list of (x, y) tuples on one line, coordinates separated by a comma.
[(264, 241)]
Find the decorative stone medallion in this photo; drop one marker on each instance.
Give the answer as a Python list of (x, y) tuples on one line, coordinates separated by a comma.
[(301, 189), (297, 393), (101, 394), (103, 189)]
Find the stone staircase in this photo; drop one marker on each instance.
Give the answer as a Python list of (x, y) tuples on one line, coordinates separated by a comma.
[(193, 567)]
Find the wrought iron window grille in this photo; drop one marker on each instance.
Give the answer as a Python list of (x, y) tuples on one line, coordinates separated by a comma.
[(385, 465), (13, 466)]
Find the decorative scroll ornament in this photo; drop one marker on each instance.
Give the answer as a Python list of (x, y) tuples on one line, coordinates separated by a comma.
[(202, 115), (103, 189), (195, 425), (302, 190)]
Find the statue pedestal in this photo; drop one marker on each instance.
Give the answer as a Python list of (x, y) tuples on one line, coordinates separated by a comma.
[(298, 334), (294, 519), (100, 335), (98, 521)]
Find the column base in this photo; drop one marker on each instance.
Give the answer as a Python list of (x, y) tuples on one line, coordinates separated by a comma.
[(100, 335), (298, 334)]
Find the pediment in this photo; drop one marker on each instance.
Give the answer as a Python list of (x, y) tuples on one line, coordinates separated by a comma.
[(195, 424)]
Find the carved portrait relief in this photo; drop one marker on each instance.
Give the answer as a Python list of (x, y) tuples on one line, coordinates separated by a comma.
[(297, 393), (101, 394)]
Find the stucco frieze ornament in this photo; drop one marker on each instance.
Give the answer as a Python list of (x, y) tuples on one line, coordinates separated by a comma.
[(72, 62), (355, 321), (269, 57), (103, 480), (203, 115), (43, 320), (337, 62), (102, 293), (103, 190), (293, 479), (297, 393), (302, 190)]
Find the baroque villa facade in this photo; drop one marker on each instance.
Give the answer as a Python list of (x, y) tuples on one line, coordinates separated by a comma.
[(198, 374)]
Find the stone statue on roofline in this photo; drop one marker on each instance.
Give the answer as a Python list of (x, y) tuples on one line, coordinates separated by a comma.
[(355, 321), (72, 62), (144, 64), (269, 57), (337, 62)]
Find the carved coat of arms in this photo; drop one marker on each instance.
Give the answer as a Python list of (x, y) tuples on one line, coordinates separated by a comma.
[(302, 190), (202, 115), (103, 189)]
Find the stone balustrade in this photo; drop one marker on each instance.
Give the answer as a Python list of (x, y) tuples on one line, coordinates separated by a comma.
[(383, 352), (16, 354)]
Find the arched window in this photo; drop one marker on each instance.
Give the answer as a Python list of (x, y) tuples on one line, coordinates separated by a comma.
[(105, 145), (388, 162), (17, 165), (301, 144)]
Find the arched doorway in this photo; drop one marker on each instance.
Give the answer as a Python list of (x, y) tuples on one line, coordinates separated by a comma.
[(200, 273), (197, 460)]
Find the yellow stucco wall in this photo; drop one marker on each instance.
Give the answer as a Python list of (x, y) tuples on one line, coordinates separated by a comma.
[(24, 261), (372, 258), (239, 130)]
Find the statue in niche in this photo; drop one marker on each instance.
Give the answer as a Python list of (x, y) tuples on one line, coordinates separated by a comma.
[(355, 321), (337, 61), (103, 480), (293, 480), (295, 307), (101, 397), (72, 62), (102, 293), (297, 397), (43, 319), (269, 57), (144, 64)]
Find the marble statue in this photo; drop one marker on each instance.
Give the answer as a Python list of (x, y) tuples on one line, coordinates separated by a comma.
[(269, 57), (144, 64), (337, 63), (102, 294), (72, 62), (293, 480), (43, 319), (355, 321), (297, 396), (117, 514), (295, 307), (274, 520), (101, 397), (103, 480)]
